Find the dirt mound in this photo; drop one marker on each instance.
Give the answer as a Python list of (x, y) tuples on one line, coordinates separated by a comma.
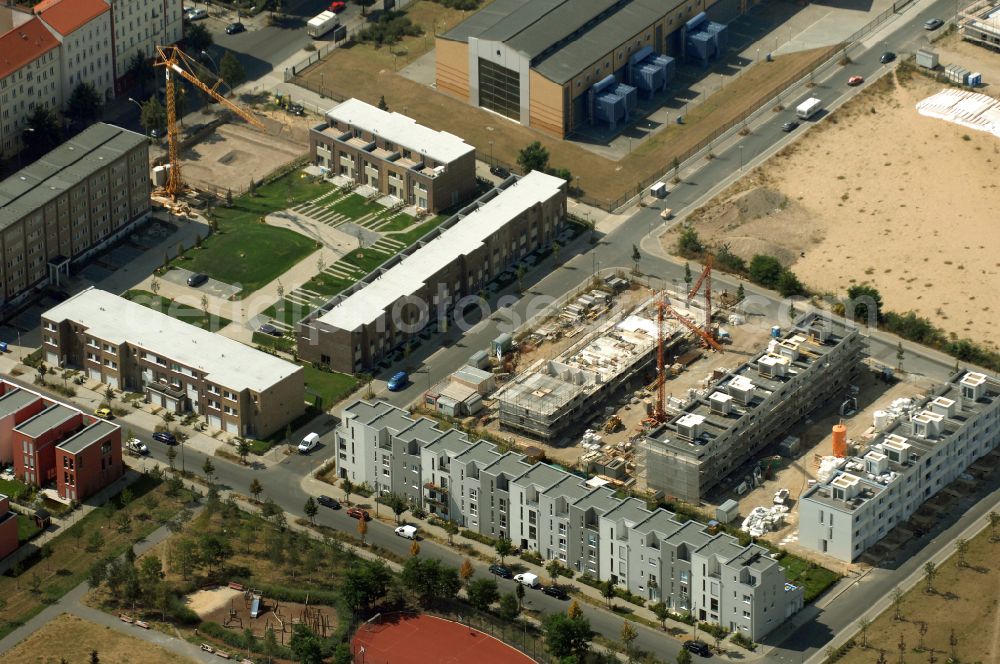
[(758, 202)]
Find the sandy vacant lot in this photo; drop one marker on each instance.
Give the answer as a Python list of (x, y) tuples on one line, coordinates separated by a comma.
[(236, 153), (77, 638), (878, 194)]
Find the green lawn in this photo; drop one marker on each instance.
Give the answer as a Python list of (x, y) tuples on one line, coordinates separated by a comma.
[(245, 251), (423, 229), (285, 343), (368, 260), (12, 488), (26, 528), (197, 317), (814, 578), (329, 385), (398, 223), (355, 206)]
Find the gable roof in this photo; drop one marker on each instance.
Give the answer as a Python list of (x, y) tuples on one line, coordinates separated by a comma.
[(22, 44), (67, 16)]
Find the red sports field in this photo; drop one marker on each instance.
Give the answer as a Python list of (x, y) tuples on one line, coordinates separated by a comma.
[(420, 639)]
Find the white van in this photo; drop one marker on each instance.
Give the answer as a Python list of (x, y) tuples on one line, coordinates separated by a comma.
[(309, 443), (659, 190), (527, 579)]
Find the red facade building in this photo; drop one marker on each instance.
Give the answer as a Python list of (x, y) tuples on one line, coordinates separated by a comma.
[(8, 528)]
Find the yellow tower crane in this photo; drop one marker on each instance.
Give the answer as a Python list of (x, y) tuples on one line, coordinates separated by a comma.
[(174, 61)]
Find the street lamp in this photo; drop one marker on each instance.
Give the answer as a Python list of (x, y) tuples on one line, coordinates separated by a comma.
[(210, 59), (491, 153), (741, 157)]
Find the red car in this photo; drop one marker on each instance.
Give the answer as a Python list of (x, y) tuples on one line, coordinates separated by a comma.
[(338, 7), (358, 513), (855, 80)]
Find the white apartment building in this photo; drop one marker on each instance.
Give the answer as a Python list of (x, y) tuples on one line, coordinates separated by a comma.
[(909, 461), (563, 516), (139, 26), (30, 74), (83, 28)]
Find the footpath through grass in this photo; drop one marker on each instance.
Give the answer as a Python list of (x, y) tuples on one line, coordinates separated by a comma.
[(174, 309), (244, 251), (101, 534)]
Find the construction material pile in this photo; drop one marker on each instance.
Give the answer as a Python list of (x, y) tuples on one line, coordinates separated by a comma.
[(828, 465), (764, 519)]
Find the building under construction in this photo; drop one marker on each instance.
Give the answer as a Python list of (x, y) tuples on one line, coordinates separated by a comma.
[(980, 23), (718, 429), (555, 396)]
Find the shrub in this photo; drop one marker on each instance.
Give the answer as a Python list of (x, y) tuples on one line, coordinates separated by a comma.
[(743, 641), (765, 270), (234, 639), (389, 29), (689, 244), (727, 261), (478, 537), (532, 557), (789, 284)]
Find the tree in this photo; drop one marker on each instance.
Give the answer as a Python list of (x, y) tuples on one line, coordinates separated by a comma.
[(789, 285), (197, 37), (662, 613), (556, 251), (741, 293), (141, 70), (628, 635), (864, 304), (504, 548), (95, 541), (150, 577), (429, 580), (256, 488), (688, 278), (97, 573), (84, 104), (366, 582), (382, 106), (248, 536), (231, 71), (533, 157), (209, 468), (554, 567), (243, 449), (689, 244), (519, 273), (567, 637), (962, 548), (451, 528), (509, 607), (305, 646), (171, 456), (465, 571), (397, 504), (310, 509), (608, 591), (765, 270), (342, 654), (362, 529), (213, 550), (229, 198), (482, 593), (864, 622), (519, 592), (994, 518), (94, 659), (349, 488), (684, 656), (414, 548), (930, 571), (897, 604), (636, 257), (270, 644), (46, 131)]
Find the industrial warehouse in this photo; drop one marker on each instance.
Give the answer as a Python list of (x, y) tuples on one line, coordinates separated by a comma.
[(560, 65)]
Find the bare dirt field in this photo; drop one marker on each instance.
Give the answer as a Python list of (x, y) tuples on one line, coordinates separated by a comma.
[(952, 49), (878, 194), (369, 73), (204, 602), (236, 153), (77, 638)]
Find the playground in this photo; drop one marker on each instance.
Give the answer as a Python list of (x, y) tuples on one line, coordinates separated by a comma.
[(240, 609), (421, 639)]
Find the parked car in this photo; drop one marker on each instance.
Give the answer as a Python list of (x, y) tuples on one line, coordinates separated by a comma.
[(309, 443), (267, 328), (398, 381), (136, 446), (409, 532), (235, 28), (197, 14), (933, 24), (887, 57), (555, 591), (499, 171), (165, 437), (327, 501), (791, 125), (297, 109), (527, 579), (855, 80), (338, 7), (358, 513), (501, 571), (198, 279), (698, 648), (104, 412)]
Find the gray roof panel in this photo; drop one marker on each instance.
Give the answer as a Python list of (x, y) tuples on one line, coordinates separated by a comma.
[(96, 432)]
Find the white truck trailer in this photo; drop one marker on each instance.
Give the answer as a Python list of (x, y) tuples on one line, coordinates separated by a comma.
[(322, 24)]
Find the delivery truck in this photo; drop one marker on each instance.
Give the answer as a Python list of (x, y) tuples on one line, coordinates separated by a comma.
[(808, 108), (322, 24)]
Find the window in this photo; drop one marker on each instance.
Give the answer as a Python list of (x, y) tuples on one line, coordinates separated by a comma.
[(500, 89)]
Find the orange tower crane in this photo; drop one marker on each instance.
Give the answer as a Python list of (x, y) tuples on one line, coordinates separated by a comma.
[(705, 336), (176, 62), (660, 412), (706, 278)]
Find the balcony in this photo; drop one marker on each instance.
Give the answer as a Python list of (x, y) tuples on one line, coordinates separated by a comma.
[(430, 486)]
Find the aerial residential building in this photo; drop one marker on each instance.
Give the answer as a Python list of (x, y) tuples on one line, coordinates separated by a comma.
[(83, 28), (373, 319), (394, 155), (139, 27), (564, 517), (715, 434), (909, 461), (181, 367), (68, 205), (30, 74), (51, 443), (8, 528), (561, 65)]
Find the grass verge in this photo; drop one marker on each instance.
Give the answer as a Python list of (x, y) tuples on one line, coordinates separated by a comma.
[(174, 309)]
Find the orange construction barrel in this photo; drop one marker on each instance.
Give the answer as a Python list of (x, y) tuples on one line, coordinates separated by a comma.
[(839, 441)]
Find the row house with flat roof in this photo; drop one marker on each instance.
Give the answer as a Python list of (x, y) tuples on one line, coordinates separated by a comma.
[(565, 517), (53, 444)]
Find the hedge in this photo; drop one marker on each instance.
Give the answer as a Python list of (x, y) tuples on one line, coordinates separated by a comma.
[(235, 639), (478, 537)]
